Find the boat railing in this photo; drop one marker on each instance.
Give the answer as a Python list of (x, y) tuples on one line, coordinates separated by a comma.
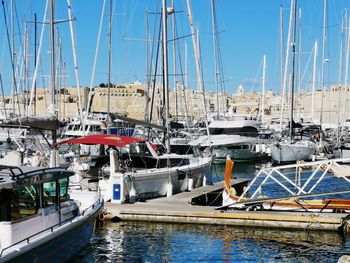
[(14, 170), (52, 228), (92, 207), (299, 186), (17, 173)]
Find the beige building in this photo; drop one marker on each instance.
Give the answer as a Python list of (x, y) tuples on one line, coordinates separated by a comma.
[(130, 100)]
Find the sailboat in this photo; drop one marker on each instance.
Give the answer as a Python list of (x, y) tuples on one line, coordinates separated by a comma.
[(293, 148), (137, 169), (237, 136)]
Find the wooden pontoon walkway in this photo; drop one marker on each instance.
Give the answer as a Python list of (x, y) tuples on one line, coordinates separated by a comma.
[(178, 209)]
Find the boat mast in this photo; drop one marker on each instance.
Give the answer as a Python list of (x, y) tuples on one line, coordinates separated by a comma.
[(198, 68), (88, 107), (174, 61), (323, 57), (263, 91), (53, 75), (109, 65), (281, 56), (285, 75), (299, 62), (148, 76), (216, 73), (186, 86), (33, 88), (293, 77), (347, 65), (52, 52), (165, 73), (76, 73), (314, 81), (340, 74), (35, 59)]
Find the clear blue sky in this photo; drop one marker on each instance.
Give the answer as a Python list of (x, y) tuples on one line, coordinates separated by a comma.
[(248, 29)]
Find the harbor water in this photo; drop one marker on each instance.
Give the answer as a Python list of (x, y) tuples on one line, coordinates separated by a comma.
[(159, 242)]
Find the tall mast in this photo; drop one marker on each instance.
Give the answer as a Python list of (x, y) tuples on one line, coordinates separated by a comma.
[(14, 84), (299, 62), (314, 82), (186, 86), (174, 61), (109, 65), (263, 91), (53, 75), (347, 65), (216, 73), (75, 60), (323, 57), (198, 68), (281, 50), (32, 97), (35, 59), (285, 75), (293, 77), (148, 77), (165, 72), (52, 51)]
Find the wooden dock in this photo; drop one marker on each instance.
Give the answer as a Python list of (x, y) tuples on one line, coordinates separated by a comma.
[(179, 209)]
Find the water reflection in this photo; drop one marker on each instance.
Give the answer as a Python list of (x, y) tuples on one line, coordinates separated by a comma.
[(149, 242), (152, 242), (240, 170)]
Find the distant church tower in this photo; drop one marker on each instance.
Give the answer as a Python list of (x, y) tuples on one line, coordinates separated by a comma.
[(240, 90)]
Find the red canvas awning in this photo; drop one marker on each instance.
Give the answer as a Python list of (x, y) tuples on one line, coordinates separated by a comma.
[(105, 139)]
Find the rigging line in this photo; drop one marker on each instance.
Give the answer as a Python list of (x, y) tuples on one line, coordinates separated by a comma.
[(19, 66), (181, 67), (155, 71), (307, 65), (3, 96), (38, 59), (11, 58), (201, 65), (256, 76), (221, 75), (149, 70), (18, 27), (95, 58)]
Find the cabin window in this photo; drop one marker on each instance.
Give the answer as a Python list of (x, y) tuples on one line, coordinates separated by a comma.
[(49, 194), (95, 128), (63, 189), (28, 201)]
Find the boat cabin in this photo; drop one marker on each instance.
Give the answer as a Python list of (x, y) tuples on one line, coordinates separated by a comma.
[(32, 200), (76, 129), (23, 194)]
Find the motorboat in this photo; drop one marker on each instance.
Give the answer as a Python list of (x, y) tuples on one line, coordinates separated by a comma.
[(238, 138), (40, 219)]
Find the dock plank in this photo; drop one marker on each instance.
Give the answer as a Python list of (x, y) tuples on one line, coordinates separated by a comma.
[(178, 209)]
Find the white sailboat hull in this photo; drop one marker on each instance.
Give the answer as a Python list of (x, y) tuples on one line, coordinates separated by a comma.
[(291, 152), (150, 183)]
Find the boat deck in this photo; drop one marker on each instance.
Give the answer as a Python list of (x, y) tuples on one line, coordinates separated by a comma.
[(179, 209)]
